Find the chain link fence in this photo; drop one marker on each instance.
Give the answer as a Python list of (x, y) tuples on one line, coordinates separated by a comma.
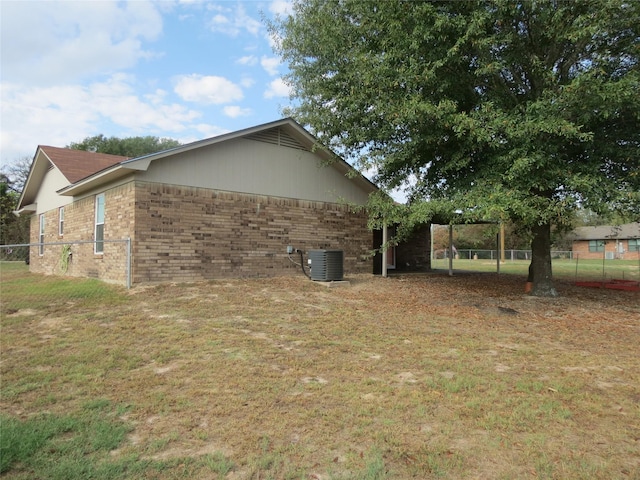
[(107, 260), (477, 254), (113, 263), (14, 253)]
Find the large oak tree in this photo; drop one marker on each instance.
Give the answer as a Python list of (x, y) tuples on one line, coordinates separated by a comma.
[(521, 110)]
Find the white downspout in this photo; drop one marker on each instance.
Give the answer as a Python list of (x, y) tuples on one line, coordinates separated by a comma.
[(385, 235)]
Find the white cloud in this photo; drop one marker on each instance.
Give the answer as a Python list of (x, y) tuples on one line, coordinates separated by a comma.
[(232, 22), (58, 115), (75, 68), (57, 41), (220, 22), (247, 82), (270, 64), (208, 131), (234, 111), (207, 89), (281, 7), (117, 101), (249, 60), (277, 88), (156, 97), (204, 130)]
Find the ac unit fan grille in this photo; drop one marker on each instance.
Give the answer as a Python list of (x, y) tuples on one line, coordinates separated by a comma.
[(327, 265)]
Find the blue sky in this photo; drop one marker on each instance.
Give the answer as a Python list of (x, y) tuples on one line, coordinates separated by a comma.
[(185, 70)]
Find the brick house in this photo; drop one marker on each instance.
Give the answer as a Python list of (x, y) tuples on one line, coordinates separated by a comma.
[(611, 242), (227, 206)]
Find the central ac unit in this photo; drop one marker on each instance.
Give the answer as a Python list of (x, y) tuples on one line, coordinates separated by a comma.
[(326, 265)]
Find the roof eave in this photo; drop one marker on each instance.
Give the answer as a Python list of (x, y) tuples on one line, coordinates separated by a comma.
[(31, 208), (94, 181), (35, 176), (142, 163), (294, 128)]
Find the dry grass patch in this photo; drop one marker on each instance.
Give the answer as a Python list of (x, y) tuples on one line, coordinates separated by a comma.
[(408, 377)]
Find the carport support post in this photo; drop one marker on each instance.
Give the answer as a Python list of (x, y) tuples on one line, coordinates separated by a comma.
[(502, 242), (431, 242), (385, 234), (451, 250), (498, 236)]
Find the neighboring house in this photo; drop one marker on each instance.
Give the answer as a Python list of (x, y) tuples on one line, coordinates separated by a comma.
[(610, 242), (227, 206)]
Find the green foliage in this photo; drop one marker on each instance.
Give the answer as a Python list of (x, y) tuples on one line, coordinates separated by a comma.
[(518, 109), (127, 147), (16, 173), (65, 257), (482, 236), (13, 229), (507, 110)]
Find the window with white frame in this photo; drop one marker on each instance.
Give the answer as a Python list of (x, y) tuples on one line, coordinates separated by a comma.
[(634, 245), (41, 235), (99, 226), (61, 221)]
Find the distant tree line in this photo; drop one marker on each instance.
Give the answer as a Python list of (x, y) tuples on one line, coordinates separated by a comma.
[(127, 147)]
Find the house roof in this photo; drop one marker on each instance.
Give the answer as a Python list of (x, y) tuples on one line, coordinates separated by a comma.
[(78, 164), (606, 232), (87, 170), (74, 165), (281, 132)]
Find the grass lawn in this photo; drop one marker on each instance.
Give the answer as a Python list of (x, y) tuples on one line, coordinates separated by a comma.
[(564, 269), (414, 376)]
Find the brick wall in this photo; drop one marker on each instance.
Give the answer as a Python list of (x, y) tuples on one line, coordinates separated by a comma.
[(49, 261), (79, 218), (581, 250), (186, 234), (412, 255)]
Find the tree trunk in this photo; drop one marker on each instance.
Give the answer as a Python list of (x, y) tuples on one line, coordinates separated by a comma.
[(541, 262)]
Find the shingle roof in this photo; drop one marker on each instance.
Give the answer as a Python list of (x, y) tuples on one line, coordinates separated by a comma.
[(621, 232), (78, 164)]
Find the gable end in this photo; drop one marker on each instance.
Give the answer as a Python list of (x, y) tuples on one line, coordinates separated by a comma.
[(277, 136)]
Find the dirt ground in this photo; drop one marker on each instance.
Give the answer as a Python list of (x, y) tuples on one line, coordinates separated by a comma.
[(417, 376), (585, 339)]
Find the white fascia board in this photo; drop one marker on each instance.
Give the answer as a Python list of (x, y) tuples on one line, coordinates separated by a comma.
[(31, 208), (39, 167), (106, 176), (142, 163)]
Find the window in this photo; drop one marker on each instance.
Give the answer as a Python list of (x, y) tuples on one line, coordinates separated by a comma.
[(61, 221), (596, 246), (41, 235), (99, 231), (634, 245)]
